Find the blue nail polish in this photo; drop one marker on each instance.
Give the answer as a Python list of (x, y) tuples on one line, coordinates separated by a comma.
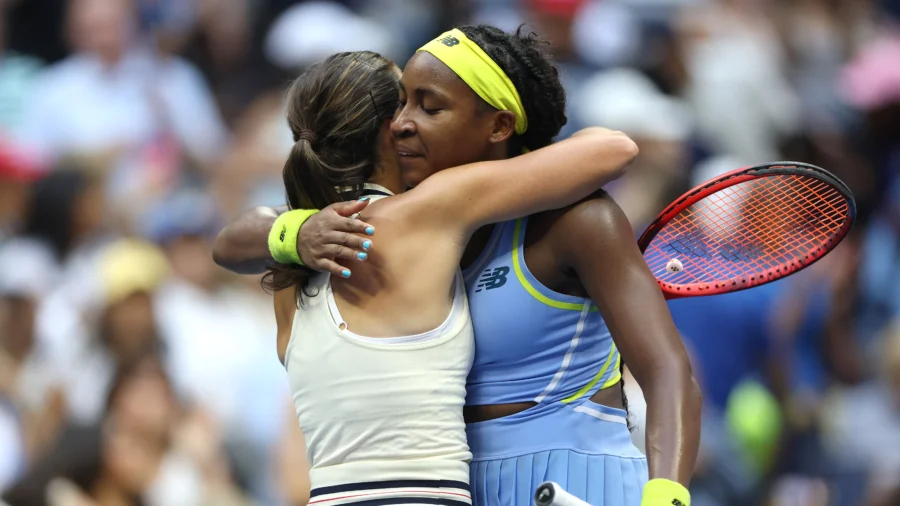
[(363, 199), (370, 230), (362, 256), (345, 273), (367, 244)]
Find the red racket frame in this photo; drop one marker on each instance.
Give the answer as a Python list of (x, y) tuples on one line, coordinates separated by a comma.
[(673, 291)]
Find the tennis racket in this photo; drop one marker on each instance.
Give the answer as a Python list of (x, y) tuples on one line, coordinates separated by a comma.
[(551, 494), (747, 228)]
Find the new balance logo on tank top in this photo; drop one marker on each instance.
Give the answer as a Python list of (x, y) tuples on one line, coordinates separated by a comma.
[(533, 344), (492, 278)]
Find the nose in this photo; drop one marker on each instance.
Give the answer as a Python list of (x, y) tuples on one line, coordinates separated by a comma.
[(402, 126)]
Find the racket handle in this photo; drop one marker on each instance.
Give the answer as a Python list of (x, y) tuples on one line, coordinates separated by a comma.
[(551, 494)]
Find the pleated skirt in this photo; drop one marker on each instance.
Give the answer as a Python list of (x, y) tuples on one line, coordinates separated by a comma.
[(584, 447)]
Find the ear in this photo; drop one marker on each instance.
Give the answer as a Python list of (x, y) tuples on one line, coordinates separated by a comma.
[(503, 127)]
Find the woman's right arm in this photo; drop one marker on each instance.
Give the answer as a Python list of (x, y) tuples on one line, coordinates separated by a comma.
[(462, 199), (242, 246)]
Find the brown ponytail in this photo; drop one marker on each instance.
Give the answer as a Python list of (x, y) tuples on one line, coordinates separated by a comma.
[(336, 110)]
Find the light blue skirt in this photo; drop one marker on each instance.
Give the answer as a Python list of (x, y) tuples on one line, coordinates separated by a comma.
[(585, 447)]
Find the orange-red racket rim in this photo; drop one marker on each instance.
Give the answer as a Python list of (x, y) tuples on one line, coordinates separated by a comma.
[(695, 195)]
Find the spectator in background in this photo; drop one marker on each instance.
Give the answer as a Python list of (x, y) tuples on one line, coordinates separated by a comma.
[(26, 273), (863, 424), (624, 99), (67, 217), (117, 102), (733, 82), (17, 74), (46, 43), (217, 35), (113, 462), (17, 174), (129, 273), (743, 102), (555, 21), (220, 339)]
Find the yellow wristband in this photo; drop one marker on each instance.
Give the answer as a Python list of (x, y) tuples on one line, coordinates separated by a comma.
[(660, 492), (283, 235)]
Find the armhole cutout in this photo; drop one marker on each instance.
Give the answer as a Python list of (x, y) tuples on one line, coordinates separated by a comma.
[(285, 306)]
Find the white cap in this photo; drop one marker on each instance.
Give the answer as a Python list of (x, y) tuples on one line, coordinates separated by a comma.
[(626, 100), (27, 269), (310, 32)]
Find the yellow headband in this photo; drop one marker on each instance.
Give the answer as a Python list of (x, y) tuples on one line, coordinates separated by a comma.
[(480, 72)]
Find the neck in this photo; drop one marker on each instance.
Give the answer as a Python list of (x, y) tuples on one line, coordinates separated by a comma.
[(390, 179), (497, 152)]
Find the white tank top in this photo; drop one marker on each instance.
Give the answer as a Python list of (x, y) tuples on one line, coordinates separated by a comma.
[(379, 409)]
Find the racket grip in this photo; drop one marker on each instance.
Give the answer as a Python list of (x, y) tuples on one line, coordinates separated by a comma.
[(551, 494)]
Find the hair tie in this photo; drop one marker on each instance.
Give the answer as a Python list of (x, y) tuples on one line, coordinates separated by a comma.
[(307, 135)]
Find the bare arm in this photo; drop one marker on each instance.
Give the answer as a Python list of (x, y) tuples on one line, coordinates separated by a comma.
[(467, 197), (242, 246), (597, 242), (462, 199)]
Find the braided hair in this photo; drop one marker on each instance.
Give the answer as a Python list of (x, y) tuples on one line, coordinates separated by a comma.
[(525, 59)]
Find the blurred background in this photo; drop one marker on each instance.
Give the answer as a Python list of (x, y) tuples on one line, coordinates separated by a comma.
[(134, 371)]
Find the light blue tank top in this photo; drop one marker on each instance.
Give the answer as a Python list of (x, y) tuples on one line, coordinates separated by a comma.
[(531, 344)]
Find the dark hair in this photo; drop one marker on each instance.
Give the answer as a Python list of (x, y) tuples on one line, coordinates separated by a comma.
[(525, 59), (146, 360), (335, 111), (50, 212), (76, 455)]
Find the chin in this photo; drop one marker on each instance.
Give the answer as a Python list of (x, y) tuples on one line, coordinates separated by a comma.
[(413, 179)]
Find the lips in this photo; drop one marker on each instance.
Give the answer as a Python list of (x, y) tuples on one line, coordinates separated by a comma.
[(406, 152)]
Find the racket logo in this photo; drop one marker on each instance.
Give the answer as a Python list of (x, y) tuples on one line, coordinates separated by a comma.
[(492, 279)]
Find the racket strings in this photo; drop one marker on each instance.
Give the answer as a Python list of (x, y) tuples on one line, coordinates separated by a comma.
[(754, 235), (753, 230)]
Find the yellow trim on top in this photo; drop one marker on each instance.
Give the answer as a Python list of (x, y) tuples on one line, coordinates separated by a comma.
[(615, 378), (571, 306), (587, 388)]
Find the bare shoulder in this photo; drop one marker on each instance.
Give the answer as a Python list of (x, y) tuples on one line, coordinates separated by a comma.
[(595, 225), (403, 219)]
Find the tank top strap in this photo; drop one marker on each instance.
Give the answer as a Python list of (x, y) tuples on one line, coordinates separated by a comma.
[(532, 285), (500, 238), (375, 191), (459, 312)]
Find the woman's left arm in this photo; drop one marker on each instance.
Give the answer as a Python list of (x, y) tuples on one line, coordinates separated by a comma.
[(596, 240)]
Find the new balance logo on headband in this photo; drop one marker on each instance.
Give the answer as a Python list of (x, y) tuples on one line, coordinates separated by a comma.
[(490, 280), (450, 41)]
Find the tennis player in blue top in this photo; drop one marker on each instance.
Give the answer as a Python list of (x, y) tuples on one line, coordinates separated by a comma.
[(558, 300)]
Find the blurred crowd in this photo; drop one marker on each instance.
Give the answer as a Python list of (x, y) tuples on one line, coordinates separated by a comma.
[(133, 371)]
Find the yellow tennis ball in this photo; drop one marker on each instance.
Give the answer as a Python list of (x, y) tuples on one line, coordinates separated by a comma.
[(755, 420)]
